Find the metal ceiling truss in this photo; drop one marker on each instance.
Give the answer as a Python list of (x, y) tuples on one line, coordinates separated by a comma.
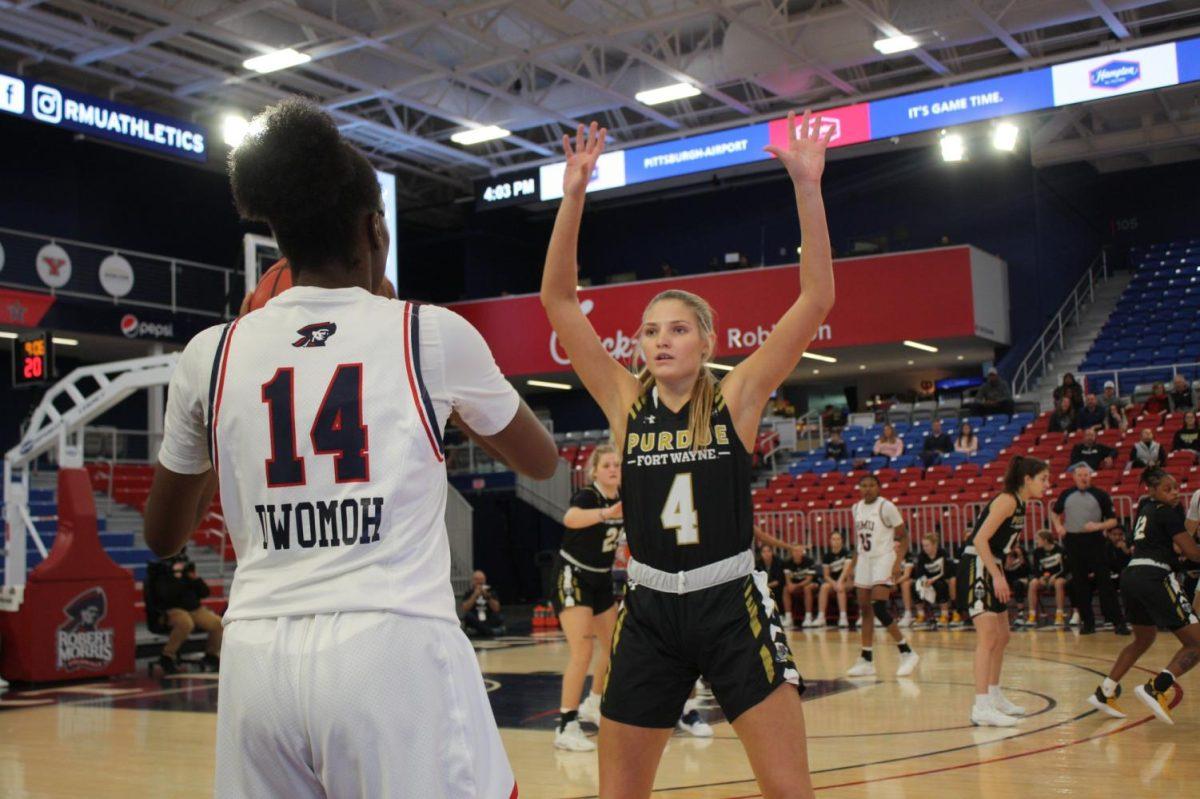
[(401, 76)]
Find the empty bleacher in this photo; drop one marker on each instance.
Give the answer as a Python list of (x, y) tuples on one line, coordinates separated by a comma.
[(1155, 325)]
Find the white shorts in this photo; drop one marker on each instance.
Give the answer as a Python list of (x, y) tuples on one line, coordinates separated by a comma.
[(359, 704), (874, 570)]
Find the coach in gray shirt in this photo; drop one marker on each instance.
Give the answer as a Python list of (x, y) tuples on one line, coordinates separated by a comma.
[(1080, 516)]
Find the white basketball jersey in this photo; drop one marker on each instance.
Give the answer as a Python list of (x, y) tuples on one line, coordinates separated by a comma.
[(327, 443), (875, 527)]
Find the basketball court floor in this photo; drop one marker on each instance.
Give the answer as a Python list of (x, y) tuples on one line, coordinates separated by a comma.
[(141, 737)]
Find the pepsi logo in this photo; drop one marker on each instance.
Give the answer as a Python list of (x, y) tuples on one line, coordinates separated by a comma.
[(129, 324), (133, 327)]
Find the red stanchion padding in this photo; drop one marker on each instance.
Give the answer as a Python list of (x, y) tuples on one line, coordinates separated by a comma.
[(77, 620)]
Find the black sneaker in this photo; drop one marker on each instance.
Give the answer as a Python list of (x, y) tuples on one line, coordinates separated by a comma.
[(1087, 629), (1107, 704), (1122, 629), (211, 663), (169, 665)]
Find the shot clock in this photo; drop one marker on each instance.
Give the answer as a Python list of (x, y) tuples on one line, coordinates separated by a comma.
[(33, 359)]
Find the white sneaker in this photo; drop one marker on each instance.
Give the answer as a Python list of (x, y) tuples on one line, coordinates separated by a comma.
[(1074, 622), (862, 668), (589, 709), (1156, 703), (843, 622), (572, 738), (808, 621), (906, 620), (990, 717), (787, 620), (3, 685), (1006, 707), (819, 623), (702, 690), (908, 663), (690, 722)]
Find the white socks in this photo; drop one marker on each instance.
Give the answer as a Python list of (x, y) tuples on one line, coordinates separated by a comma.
[(1108, 687), (983, 702)]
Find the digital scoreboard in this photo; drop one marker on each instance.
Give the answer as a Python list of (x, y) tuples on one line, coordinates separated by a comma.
[(33, 359), (510, 189)]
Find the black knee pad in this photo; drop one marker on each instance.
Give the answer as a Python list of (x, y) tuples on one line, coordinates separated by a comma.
[(880, 606)]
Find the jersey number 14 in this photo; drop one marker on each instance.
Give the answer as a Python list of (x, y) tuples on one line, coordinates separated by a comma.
[(338, 429)]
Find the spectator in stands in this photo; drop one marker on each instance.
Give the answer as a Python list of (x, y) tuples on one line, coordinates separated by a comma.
[(1063, 418), (937, 444), (1016, 574), (178, 592), (1080, 516), (837, 579), (994, 396), (831, 418), (781, 407), (1147, 452), (1110, 396), (480, 608), (801, 579), (773, 566), (1114, 417), (1188, 436), (1159, 400), (1091, 415), (1049, 571), (889, 444), (835, 447), (666, 270), (1092, 452), (1181, 395), (1071, 390), (967, 442)]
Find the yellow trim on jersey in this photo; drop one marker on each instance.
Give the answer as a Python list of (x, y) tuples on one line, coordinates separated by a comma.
[(768, 662), (616, 639), (719, 400), (752, 610)]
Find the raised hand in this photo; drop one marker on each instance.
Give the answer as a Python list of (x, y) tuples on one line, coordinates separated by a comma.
[(804, 157), (582, 157)]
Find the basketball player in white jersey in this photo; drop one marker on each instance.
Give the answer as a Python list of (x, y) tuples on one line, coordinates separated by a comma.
[(344, 671), (879, 534)]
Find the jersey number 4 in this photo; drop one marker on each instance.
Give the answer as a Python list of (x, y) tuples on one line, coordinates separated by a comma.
[(338, 429), (679, 511)]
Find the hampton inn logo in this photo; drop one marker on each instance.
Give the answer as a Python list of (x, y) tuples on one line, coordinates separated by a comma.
[(1115, 74)]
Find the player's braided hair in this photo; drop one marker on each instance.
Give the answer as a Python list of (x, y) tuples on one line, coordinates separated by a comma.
[(1153, 476), (295, 172)]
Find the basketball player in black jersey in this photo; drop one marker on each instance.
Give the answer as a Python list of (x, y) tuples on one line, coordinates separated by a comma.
[(1153, 598), (983, 591), (583, 592), (695, 606)]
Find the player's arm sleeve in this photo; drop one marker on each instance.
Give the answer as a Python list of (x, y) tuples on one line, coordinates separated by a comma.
[(184, 447), (1106, 505), (1193, 511), (1060, 504), (471, 380), (891, 515)]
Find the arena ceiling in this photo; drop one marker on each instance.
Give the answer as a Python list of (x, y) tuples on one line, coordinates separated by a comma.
[(402, 76)]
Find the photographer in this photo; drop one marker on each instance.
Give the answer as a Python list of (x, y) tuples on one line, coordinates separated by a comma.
[(480, 608), (177, 592)]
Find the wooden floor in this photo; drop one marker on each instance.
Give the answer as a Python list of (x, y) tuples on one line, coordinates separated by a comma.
[(879, 738)]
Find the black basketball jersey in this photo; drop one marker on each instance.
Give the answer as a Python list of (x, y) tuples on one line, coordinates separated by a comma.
[(684, 508), (935, 568), (1051, 561), (595, 546), (1009, 531), (1155, 530), (838, 561)]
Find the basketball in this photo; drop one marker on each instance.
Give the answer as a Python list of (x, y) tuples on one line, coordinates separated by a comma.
[(276, 280)]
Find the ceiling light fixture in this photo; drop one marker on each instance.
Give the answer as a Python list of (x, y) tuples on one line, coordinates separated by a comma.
[(65, 342), (1004, 136), (480, 135), (822, 358), (6, 334), (273, 62), (896, 44), (234, 128), (916, 345), (720, 366), (954, 147), (666, 94)]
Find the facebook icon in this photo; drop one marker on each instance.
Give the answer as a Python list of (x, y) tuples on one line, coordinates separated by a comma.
[(12, 95)]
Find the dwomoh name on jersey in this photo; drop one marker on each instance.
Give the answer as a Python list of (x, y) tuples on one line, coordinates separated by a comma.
[(321, 524)]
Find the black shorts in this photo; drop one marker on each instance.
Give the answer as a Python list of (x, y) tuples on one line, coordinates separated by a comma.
[(976, 594), (1153, 597), (728, 634), (941, 591), (578, 588)]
